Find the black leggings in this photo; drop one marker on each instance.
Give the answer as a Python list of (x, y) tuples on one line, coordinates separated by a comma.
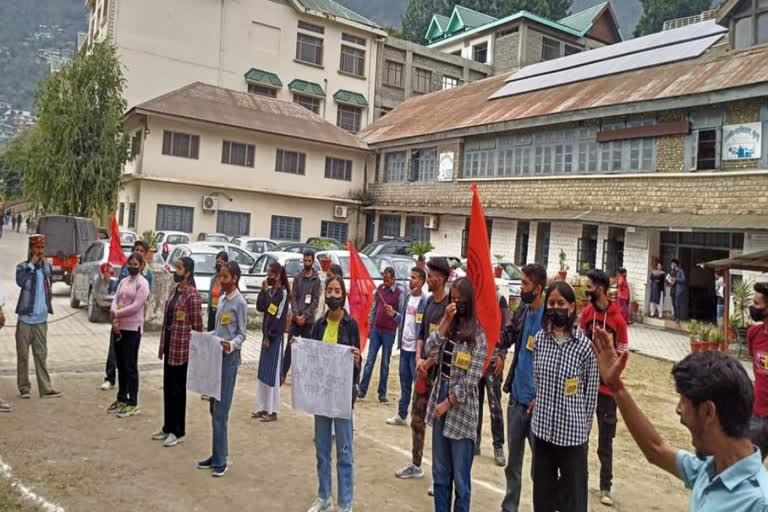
[(559, 477), (127, 354)]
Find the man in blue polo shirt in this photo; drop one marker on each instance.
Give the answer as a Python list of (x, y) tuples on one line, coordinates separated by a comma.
[(726, 473)]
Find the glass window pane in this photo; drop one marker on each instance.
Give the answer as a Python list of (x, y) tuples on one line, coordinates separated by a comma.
[(743, 36)]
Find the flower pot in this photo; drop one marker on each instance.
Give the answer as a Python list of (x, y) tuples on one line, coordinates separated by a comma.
[(562, 274), (421, 264), (635, 307), (325, 264), (695, 347), (497, 272)]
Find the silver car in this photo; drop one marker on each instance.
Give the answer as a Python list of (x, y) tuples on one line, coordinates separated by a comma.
[(88, 284), (235, 253), (254, 245), (293, 262), (165, 241)]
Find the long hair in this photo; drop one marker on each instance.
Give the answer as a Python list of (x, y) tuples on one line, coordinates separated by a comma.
[(339, 280), (278, 269), (139, 259), (234, 269), (189, 265), (464, 329), (566, 290)]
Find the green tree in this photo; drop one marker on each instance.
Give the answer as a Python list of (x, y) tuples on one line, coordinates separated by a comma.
[(13, 163), (75, 162), (656, 12), (550, 9)]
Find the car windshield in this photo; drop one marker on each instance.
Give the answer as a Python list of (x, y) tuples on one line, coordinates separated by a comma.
[(512, 271), (127, 238), (216, 238), (402, 268), (176, 239), (204, 262), (369, 266)]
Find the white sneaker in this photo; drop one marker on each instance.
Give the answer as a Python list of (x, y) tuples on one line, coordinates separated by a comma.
[(431, 490), (396, 420), (160, 435), (321, 505), (106, 386), (172, 440), (410, 471), (605, 498), (345, 509)]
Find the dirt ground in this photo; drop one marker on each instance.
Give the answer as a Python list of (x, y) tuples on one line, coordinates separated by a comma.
[(70, 452)]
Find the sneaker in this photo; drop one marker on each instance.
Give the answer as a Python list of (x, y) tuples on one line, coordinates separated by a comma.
[(106, 385), (160, 435), (219, 472), (128, 410), (345, 509), (360, 396), (605, 498), (258, 414), (383, 400), (52, 394), (267, 418), (431, 490), (396, 420), (205, 464), (26, 395), (116, 406), (205, 397), (410, 471), (321, 505), (5, 406), (498, 456), (172, 440)]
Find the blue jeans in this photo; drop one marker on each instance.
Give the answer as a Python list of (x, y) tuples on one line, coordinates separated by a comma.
[(345, 458), (407, 378), (220, 408), (518, 431), (451, 465), (383, 340), (720, 312)]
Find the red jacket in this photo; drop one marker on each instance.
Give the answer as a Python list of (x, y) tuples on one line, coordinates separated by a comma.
[(187, 315), (613, 322)]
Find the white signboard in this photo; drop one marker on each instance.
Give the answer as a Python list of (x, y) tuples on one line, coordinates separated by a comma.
[(445, 168), (204, 370), (742, 141), (322, 378)]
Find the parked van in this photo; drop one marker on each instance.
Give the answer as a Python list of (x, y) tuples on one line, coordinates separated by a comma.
[(66, 239)]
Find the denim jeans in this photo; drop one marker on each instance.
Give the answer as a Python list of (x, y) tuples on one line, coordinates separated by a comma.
[(383, 340), (518, 430), (720, 313), (220, 408), (451, 465), (345, 458), (407, 378)]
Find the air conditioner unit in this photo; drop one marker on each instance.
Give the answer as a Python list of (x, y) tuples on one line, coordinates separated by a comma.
[(210, 203), (340, 212), (430, 222)]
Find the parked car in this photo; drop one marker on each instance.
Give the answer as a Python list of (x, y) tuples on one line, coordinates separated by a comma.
[(88, 285), (66, 239), (509, 283), (128, 237), (292, 261), (296, 247), (331, 243), (453, 261), (391, 246), (236, 254), (341, 258), (165, 241), (103, 233), (212, 237), (254, 245), (401, 264)]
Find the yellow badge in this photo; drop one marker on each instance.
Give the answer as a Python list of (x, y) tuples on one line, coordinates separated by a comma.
[(180, 316), (462, 360), (419, 317), (432, 328), (765, 363), (272, 309), (529, 344), (226, 318), (571, 386), (119, 307), (215, 302)]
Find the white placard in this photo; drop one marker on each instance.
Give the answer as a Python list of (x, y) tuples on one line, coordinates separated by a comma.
[(742, 141), (322, 378), (204, 370), (445, 167)]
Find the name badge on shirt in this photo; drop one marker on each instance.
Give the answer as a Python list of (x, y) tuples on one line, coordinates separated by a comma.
[(272, 309), (529, 343), (571, 386), (419, 317), (215, 302), (119, 307), (308, 299), (226, 318), (764, 359), (180, 316), (432, 328), (462, 360)]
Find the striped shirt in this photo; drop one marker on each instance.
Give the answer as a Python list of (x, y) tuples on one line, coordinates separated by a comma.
[(566, 379)]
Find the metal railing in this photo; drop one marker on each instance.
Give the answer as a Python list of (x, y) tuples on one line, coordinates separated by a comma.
[(690, 20)]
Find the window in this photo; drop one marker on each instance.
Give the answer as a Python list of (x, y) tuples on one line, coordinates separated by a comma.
[(308, 102), (353, 39), (762, 28), (338, 169), (120, 214), (352, 60), (423, 79), (291, 162), (450, 82), (480, 52), (181, 144), (285, 228), (94, 253), (423, 163), (395, 167), (269, 92), (550, 48), (132, 215), (233, 223), (706, 153), (348, 117), (543, 230), (521, 243), (235, 153), (465, 235), (135, 144), (336, 230), (570, 50), (393, 73), (743, 33), (415, 230), (389, 226), (587, 248), (174, 218), (303, 25), (309, 49)]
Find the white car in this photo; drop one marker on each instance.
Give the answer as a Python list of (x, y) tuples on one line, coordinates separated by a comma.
[(292, 261), (254, 245), (341, 258), (166, 241), (504, 284), (235, 253)]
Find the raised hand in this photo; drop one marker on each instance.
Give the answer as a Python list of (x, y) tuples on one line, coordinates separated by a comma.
[(608, 361)]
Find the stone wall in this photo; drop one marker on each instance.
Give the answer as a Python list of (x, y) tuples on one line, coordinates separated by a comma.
[(670, 149), (505, 56)]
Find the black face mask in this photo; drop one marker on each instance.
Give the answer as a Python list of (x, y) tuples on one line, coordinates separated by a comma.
[(461, 308), (558, 316), (133, 271), (177, 278), (218, 267), (758, 315), (528, 297), (334, 303), (271, 281)]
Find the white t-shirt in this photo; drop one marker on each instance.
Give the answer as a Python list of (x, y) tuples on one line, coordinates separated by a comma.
[(410, 329)]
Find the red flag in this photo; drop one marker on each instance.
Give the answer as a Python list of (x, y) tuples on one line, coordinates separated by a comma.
[(480, 274), (116, 255), (360, 293)]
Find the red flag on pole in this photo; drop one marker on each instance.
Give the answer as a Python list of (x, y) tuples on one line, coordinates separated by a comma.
[(480, 274), (116, 255), (360, 293)]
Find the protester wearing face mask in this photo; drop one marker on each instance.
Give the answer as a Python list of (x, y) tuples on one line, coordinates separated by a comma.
[(521, 333), (127, 315), (757, 344), (216, 291), (304, 303), (603, 313), (566, 379), (339, 328), (183, 314)]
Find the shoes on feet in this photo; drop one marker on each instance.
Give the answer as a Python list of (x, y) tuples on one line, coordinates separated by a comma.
[(383, 400), (361, 396), (258, 414), (205, 464), (219, 471), (52, 394), (605, 498), (205, 397), (25, 395), (321, 505), (477, 450), (5, 406), (498, 457), (410, 471), (116, 406), (431, 490), (128, 410), (160, 435), (396, 420), (172, 440), (267, 418), (106, 385)]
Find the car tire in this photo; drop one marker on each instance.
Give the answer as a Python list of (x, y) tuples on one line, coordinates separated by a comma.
[(94, 312), (73, 302)]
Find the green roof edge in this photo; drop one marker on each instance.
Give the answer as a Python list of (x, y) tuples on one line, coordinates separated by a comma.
[(342, 92), (268, 83)]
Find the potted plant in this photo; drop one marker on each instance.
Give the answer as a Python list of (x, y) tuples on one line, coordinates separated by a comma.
[(499, 270), (704, 337), (325, 260), (693, 335), (563, 273), (741, 291), (419, 249), (718, 340)]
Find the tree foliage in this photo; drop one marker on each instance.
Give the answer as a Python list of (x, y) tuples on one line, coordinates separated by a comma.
[(551, 9), (75, 161), (13, 162), (656, 12)]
